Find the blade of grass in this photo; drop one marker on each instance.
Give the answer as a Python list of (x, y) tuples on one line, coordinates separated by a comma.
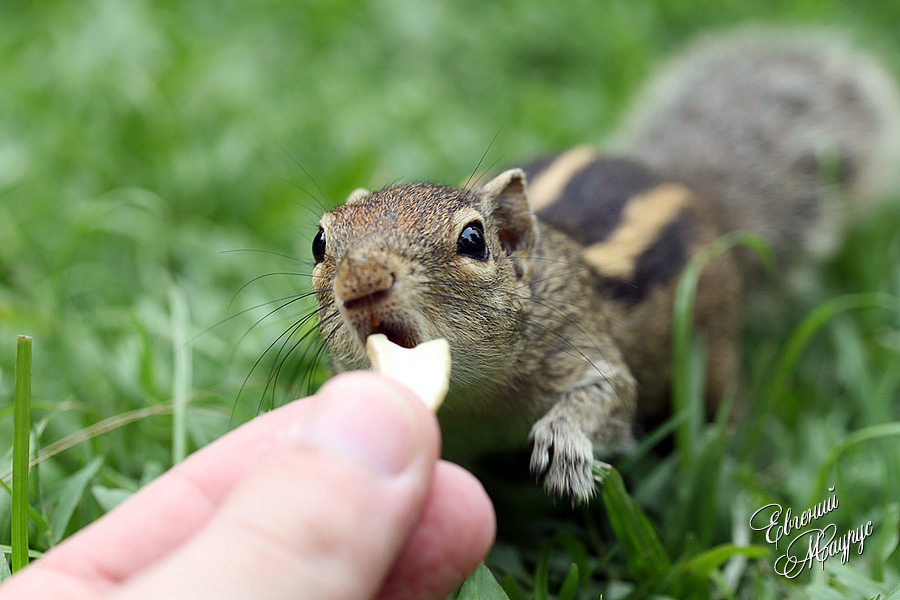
[(109, 498), (697, 506), (797, 343), (92, 431), (480, 585), (578, 552), (691, 578), (5, 573), (704, 563), (511, 589), (893, 595), (685, 398), (885, 540), (646, 558), (823, 313), (21, 449), (648, 443), (882, 430), (580, 566), (103, 427), (542, 574), (182, 371), (31, 553), (36, 518), (570, 585), (71, 495)]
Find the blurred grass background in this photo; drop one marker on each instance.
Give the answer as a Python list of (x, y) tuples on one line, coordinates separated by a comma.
[(156, 153)]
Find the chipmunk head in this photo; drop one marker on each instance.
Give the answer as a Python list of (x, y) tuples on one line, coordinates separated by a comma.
[(421, 261)]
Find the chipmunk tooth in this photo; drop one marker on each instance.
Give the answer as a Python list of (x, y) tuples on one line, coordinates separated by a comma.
[(424, 369)]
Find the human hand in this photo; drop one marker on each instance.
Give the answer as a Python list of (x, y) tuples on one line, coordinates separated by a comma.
[(338, 496)]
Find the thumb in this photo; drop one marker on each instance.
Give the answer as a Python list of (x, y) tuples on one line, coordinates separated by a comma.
[(325, 514)]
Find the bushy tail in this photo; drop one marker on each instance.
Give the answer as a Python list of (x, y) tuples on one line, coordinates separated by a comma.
[(770, 127)]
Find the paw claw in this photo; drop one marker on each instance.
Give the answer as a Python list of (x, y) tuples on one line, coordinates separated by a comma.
[(563, 455), (540, 456)]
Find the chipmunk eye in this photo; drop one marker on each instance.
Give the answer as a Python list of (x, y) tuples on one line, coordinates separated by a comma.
[(318, 246), (471, 241)]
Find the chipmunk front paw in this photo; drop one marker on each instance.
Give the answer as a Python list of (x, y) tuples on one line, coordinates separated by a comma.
[(563, 455)]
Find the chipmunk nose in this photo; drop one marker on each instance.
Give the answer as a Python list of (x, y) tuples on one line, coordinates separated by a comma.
[(363, 280)]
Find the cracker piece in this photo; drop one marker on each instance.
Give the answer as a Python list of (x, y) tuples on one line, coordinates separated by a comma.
[(424, 369)]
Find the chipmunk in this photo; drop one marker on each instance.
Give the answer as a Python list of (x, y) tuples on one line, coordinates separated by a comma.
[(554, 282)]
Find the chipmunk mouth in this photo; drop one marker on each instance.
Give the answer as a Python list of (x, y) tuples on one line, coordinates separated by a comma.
[(396, 331)]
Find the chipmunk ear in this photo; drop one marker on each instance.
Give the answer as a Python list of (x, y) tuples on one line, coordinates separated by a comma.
[(356, 195), (506, 198)]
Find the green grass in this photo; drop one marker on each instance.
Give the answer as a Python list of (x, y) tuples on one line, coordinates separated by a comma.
[(20, 454), (153, 165)]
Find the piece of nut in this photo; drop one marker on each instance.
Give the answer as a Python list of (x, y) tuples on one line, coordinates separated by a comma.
[(424, 369)]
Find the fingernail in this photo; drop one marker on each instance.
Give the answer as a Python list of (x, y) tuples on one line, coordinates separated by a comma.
[(372, 426)]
